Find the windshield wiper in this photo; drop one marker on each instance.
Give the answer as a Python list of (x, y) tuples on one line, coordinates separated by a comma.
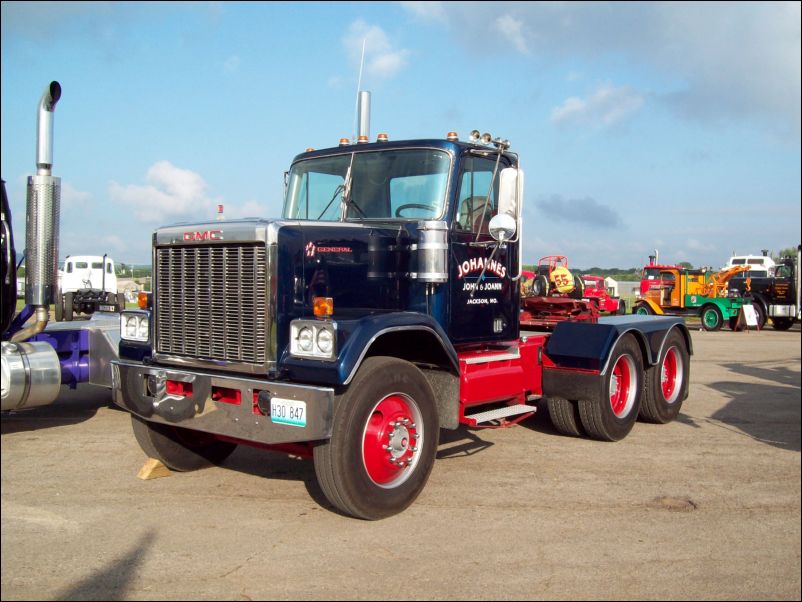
[(337, 191)]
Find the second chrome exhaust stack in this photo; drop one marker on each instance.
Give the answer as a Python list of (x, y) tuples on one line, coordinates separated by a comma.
[(42, 220)]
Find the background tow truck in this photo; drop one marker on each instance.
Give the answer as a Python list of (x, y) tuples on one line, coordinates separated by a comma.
[(679, 291), (775, 297)]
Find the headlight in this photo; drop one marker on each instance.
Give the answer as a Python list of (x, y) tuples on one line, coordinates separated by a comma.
[(135, 326), (305, 339), (314, 339), (325, 341)]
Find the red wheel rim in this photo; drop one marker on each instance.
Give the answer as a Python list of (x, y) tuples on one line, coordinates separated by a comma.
[(391, 440), (622, 386), (671, 375)]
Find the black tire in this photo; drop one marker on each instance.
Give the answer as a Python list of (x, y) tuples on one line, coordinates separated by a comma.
[(612, 415), (642, 309), (760, 313), (579, 288), (178, 448), (540, 286), (782, 323), (120, 301), (68, 306), (622, 307), (59, 307), (711, 318), (565, 416), (665, 385), (389, 401)]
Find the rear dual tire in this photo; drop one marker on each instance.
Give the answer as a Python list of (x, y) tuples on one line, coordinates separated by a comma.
[(612, 416), (666, 383)]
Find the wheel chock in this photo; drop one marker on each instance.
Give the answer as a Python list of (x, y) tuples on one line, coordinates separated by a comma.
[(153, 469)]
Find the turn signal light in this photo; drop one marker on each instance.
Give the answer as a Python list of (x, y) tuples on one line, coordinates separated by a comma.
[(323, 307), (143, 300)]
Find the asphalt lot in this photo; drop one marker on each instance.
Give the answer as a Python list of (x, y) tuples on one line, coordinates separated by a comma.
[(707, 507)]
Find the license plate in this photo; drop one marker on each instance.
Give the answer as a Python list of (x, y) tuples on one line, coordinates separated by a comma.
[(107, 307), (288, 411)]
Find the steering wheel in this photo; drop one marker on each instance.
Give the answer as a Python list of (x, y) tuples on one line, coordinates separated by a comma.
[(401, 208)]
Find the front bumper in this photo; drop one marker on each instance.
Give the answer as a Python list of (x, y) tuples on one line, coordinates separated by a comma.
[(142, 390)]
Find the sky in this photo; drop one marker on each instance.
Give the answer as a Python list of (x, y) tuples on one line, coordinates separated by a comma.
[(640, 126)]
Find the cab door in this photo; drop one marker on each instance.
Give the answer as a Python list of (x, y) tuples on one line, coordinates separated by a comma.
[(486, 309)]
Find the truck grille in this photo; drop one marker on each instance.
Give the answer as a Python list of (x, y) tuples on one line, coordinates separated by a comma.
[(211, 303)]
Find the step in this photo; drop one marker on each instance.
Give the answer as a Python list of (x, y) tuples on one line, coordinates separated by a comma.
[(499, 413)]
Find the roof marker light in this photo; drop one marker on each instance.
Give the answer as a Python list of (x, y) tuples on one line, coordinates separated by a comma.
[(382, 137), (453, 136), (344, 142), (362, 139), (309, 149)]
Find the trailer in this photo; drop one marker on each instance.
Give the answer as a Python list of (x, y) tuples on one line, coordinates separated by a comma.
[(383, 306)]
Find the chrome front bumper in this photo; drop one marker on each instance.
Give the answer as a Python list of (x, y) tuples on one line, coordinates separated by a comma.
[(142, 390)]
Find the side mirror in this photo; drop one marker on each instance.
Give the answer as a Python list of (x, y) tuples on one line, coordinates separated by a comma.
[(502, 227), (510, 193)]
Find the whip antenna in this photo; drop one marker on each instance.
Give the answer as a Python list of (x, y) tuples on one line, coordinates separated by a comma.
[(358, 86)]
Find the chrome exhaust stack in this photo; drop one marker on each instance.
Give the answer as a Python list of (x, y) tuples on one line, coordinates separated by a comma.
[(42, 220), (31, 372)]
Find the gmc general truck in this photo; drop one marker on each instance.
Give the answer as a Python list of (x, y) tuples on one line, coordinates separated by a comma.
[(381, 307)]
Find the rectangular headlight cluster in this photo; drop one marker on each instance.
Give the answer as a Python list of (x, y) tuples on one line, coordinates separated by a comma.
[(314, 339), (135, 326)]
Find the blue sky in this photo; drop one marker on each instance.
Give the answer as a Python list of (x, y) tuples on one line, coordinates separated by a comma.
[(640, 126)]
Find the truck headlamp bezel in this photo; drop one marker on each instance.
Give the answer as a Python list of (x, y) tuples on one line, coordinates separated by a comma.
[(323, 339), (135, 326)]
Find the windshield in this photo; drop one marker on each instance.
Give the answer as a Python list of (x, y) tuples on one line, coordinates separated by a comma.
[(396, 184)]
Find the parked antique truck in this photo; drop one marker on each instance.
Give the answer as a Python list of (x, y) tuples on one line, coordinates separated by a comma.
[(39, 357), (775, 297), (680, 291), (381, 307)]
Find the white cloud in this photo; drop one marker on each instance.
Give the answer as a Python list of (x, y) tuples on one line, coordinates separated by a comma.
[(172, 193), (605, 107), (513, 29), (715, 62), (72, 199), (247, 209), (427, 11), (382, 58)]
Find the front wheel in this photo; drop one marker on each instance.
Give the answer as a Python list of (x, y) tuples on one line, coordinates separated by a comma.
[(782, 323), (612, 415), (383, 442), (69, 303), (760, 315), (666, 383), (711, 318), (178, 448), (641, 309)]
